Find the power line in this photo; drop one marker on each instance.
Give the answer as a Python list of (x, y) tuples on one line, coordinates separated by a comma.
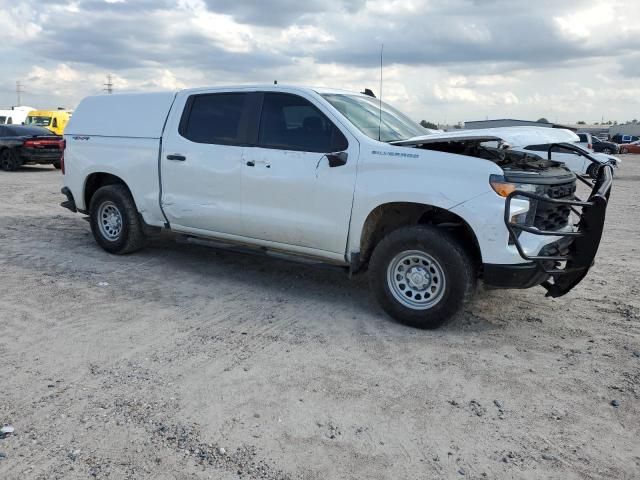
[(109, 85), (19, 91)]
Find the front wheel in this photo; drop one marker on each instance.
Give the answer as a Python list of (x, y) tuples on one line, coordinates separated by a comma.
[(421, 276), (606, 150), (115, 222)]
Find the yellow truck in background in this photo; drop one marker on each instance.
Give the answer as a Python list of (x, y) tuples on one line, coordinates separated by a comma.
[(54, 120)]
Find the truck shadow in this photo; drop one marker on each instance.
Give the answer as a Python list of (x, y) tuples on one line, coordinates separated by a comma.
[(302, 282), (172, 273)]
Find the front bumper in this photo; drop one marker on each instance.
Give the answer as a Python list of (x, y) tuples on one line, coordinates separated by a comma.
[(520, 275), (575, 251)]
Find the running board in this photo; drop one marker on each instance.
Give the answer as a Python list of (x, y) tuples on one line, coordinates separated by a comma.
[(257, 250)]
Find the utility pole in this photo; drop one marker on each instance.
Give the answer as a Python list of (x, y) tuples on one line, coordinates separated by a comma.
[(109, 85), (19, 91)]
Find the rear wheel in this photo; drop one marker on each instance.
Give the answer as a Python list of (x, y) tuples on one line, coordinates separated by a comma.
[(421, 276), (115, 222), (9, 161)]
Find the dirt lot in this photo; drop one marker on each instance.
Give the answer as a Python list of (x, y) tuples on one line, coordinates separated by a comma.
[(183, 362)]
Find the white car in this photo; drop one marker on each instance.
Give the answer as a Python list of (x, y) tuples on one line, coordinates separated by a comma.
[(334, 177), (14, 115), (577, 163), (586, 141)]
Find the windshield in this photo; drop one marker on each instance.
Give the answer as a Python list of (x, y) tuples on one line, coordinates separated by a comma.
[(38, 120), (364, 112)]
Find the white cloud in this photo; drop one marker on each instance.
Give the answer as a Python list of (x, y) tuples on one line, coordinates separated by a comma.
[(460, 59)]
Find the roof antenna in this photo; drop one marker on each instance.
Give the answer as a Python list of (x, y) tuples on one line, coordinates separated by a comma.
[(380, 99)]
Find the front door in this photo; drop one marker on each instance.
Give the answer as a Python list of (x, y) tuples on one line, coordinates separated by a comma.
[(201, 163), (290, 193)]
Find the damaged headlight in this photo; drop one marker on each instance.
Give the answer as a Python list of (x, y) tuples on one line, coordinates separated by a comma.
[(522, 209), (504, 188)]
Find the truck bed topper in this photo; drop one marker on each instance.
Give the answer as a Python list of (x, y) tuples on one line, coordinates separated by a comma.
[(140, 115)]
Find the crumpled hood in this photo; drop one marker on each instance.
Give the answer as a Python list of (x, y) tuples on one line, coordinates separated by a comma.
[(514, 136)]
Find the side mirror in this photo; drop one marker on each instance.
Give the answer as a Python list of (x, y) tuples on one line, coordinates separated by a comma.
[(337, 159)]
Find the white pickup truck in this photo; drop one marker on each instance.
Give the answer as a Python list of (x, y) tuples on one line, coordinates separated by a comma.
[(335, 177)]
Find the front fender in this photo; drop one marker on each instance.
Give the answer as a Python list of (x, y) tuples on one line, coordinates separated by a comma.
[(424, 177)]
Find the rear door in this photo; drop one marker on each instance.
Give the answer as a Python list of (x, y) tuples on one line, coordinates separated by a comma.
[(290, 192), (201, 162)]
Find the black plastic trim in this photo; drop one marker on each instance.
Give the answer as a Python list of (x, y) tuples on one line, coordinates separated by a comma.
[(521, 275), (70, 203)]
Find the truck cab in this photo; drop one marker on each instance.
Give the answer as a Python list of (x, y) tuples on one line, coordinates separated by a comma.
[(340, 178)]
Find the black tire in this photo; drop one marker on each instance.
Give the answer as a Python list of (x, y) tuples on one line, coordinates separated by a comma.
[(606, 150), (623, 150), (593, 169), (111, 202), (9, 161), (57, 165), (454, 265)]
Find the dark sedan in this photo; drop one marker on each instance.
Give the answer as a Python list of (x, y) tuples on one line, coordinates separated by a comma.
[(22, 144), (602, 146)]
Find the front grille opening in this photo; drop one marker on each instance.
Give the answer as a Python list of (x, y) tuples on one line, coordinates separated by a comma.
[(550, 216)]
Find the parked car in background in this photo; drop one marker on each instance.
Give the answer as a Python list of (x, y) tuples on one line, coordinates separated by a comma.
[(633, 147), (604, 146), (54, 120), (573, 161), (14, 115), (21, 144), (586, 141), (619, 138)]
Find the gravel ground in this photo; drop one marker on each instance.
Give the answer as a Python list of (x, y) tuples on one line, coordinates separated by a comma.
[(183, 362)]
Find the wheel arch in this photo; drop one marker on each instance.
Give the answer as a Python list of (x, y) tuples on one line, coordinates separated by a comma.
[(96, 180), (387, 217)]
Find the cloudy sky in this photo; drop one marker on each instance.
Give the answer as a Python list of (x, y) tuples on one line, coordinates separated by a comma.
[(445, 60)]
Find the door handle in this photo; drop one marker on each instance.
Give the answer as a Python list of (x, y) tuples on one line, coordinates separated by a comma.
[(252, 163), (177, 157)]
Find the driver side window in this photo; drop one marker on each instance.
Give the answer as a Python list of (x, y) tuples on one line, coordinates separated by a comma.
[(289, 122)]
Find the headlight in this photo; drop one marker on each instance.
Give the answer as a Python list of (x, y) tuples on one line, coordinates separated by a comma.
[(523, 209), (504, 188)]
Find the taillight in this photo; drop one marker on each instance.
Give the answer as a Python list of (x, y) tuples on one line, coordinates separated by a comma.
[(63, 145), (589, 145), (32, 143)]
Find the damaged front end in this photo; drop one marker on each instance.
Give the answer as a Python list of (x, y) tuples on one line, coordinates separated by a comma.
[(554, 209), (572, 260)]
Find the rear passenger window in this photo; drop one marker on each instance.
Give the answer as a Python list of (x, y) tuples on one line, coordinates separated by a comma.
[(215, 118), (290, 122)]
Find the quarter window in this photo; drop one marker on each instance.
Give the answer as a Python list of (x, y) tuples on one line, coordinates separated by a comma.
[(290, 122), (215, 118)]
